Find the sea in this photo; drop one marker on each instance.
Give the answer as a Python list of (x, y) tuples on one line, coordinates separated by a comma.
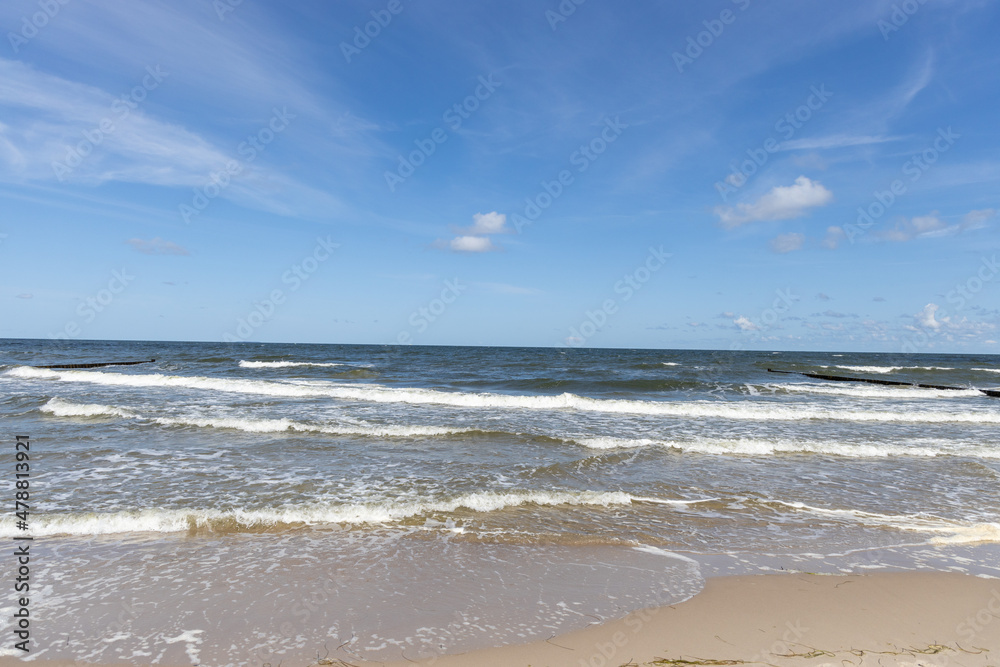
[(253, 504)]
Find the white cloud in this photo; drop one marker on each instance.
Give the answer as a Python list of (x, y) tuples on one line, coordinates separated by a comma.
[(52, 114), (834, 236), (26, 295), (932, 226), (976, 219), (472, 244), (475, 238), (835, 141), (745, 324), (783, 202), (156, 246), (488, 223), (787, 242), (926, 319)]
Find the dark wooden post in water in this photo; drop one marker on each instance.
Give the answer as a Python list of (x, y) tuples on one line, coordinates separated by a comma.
[(101, 365)]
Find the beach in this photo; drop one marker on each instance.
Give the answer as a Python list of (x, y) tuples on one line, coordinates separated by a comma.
[(253, 504), (877, 619), (898, 618)]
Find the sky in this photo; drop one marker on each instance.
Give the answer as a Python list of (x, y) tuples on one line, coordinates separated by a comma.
[(733, 174)]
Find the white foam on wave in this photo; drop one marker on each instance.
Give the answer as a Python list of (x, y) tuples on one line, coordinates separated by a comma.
[(282, 425), (878, 391), (866, 369), (742, 410), (180, 520), (987, 370), (284, 364), (945, 531), (754, 447), (63, 408)]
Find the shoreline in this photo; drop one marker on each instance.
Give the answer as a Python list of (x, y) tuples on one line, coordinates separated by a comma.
[(884, 618)]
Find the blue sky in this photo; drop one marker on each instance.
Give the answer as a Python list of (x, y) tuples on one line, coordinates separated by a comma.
[(642, 174)]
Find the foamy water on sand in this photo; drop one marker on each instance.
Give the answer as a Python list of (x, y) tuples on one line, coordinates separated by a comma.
[(409, 501)]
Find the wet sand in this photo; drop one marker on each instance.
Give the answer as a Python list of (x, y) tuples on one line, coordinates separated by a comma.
[(897, 618)]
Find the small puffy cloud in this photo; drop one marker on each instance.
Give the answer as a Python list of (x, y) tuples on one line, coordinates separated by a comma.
[(878, 298), (926, 318), (488, 223), (834, 237), (822, 296), (783, 202), (475, 238), (745, 324), (156, 246), (472, 244), (26, 295), (787, 242)]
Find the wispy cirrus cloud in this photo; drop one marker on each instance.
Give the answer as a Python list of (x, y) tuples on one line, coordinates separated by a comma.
[(58, 130), (933, 226)]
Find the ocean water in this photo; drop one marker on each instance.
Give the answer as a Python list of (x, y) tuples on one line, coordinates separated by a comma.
[(254, 503)]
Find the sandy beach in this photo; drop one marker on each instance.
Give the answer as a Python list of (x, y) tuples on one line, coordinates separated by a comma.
[(898, 618), (906, 618)]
